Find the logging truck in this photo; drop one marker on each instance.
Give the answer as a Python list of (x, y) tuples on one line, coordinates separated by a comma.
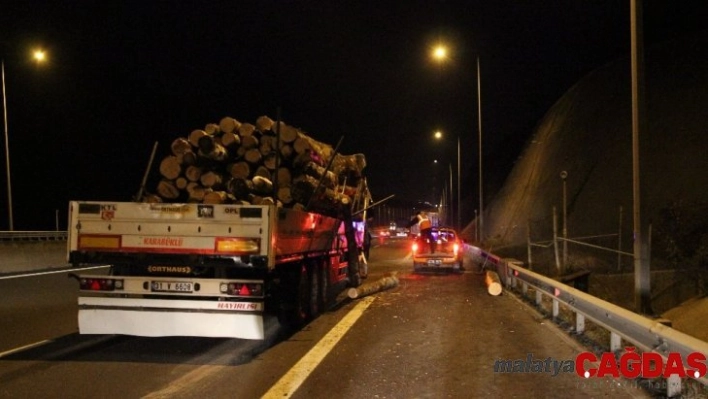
[(248, 220), (207, 270)]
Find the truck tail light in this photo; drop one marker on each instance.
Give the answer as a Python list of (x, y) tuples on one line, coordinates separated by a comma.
[(100, 284), (238, 246), (456, 248), (242, 289), (414, 248)]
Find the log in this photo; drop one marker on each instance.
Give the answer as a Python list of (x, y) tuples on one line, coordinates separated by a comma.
[(324, 151), (285, 178), (493, 282), (350, 165), (288, 134), (264, 123), (170, 167), (246, 130), (215, 197), (300, 145), (230, 140), (327, 178), (167, 189), (262, 171), (373, 287), (195, 136), (193, 173), (228, 124), (262, 186), (267, 144), (180, 146), (181, 183), (270, 160), (197, 193), (212, 129), (286, 151), (187, 158), (239, 170), (212, 180), (239, 188), (285, 196), (210, 149), (253, 156), (248, 142)]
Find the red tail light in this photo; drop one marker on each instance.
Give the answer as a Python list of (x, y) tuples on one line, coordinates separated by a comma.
[(414, 248), (242, 289), (100, 284), (456, 248)]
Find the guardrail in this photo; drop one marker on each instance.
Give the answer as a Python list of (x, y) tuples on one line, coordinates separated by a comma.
[(644, 333), (33, 235)]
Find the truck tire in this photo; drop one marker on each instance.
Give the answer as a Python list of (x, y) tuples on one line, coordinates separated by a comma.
[(324, 284), (315, 299), (294, 305)]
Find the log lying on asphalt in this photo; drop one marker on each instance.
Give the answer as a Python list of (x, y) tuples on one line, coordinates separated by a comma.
[(493, 282), (373, 287)]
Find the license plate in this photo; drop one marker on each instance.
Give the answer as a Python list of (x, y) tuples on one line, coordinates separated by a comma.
[(434, 262), (172, 286)]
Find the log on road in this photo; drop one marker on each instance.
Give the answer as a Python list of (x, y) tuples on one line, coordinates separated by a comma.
[(373, 287), (493, 282)]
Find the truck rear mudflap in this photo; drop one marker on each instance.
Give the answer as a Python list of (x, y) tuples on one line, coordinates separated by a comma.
[(150, 317)]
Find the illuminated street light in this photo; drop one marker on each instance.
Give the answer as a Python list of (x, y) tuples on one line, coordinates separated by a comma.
[(40, 56), (440, 52)]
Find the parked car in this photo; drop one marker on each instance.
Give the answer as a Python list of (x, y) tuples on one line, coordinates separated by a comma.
[(448, 253)]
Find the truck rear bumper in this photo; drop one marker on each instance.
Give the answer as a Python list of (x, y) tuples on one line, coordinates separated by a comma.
[(161, 317)]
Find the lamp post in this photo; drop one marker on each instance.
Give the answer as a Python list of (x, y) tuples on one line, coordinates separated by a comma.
[(479, 151), (564, 175), (440, 54), (7, 150), (39, 56)]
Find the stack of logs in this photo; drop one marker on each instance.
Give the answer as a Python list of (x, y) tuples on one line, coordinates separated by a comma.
[(263, 163)]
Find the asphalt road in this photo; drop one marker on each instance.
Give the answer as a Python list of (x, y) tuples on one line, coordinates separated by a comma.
[(432, 336)]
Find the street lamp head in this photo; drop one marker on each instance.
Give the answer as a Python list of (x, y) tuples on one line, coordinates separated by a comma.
[(440, 53), (438, 134), (39, 55)]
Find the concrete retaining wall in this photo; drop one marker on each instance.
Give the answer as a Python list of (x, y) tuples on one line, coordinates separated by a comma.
[(19, 256)]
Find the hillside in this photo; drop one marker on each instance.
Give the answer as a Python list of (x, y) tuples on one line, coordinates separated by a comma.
[(588, 133)]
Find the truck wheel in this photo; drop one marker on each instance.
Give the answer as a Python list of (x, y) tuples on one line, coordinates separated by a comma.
[(324, 284), (294, 306), (314, 300)]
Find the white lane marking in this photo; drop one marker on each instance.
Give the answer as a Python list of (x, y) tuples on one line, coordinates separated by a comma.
[(291, 381), (22, 348), (52, 272)]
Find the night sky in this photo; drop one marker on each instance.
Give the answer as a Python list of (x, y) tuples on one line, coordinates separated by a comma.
[(122, 75)]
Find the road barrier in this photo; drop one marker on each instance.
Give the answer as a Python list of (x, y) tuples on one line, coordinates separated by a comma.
[(644, 333)]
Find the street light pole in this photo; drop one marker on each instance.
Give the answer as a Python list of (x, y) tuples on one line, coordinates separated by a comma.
[(459, 202), (452, 214), (479, 129), (7, 149), (563, 176)]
